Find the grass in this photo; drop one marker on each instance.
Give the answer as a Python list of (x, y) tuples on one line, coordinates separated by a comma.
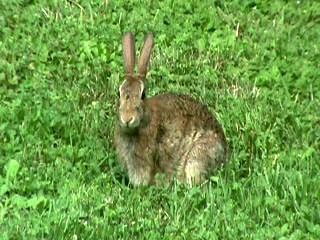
[(60, 68)]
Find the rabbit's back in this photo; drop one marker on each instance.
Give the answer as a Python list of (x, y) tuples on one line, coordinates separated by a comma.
[(190, 141), (184, 111)]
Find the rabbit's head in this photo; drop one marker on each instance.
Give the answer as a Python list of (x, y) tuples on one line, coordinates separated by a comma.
[(132, 90)]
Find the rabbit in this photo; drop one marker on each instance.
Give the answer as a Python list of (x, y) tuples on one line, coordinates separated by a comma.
[(169, 135)]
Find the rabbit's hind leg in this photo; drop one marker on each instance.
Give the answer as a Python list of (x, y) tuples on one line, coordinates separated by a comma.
[(204, 156)]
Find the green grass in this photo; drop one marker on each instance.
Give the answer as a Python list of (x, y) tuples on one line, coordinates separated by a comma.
[(60, 68)]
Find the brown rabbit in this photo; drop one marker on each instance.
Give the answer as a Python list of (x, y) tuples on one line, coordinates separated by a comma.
[(171, 135)]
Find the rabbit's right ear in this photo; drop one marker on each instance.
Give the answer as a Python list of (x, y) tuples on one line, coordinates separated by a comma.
[(129, 54)]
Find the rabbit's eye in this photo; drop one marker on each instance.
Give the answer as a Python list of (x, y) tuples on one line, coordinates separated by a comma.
[(143, 95)]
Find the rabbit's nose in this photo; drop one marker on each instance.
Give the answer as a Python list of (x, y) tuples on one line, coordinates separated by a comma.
[(128, 121)]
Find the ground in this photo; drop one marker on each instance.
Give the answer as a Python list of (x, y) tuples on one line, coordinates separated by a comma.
[(255, 64)]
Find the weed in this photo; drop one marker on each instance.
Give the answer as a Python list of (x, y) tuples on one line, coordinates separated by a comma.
[(256, 64)]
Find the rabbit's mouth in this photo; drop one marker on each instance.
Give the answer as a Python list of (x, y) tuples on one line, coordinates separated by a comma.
[(129, 130)]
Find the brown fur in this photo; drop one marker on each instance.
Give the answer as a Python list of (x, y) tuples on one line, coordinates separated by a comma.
[(167, 134)]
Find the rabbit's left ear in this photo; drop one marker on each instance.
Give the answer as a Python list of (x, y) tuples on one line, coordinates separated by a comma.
[(145, 55)]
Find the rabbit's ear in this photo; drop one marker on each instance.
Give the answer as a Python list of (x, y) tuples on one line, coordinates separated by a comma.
[(145, 55), (129, 54)]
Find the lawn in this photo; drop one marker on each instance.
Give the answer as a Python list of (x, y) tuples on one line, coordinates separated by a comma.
[(255, 64)]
